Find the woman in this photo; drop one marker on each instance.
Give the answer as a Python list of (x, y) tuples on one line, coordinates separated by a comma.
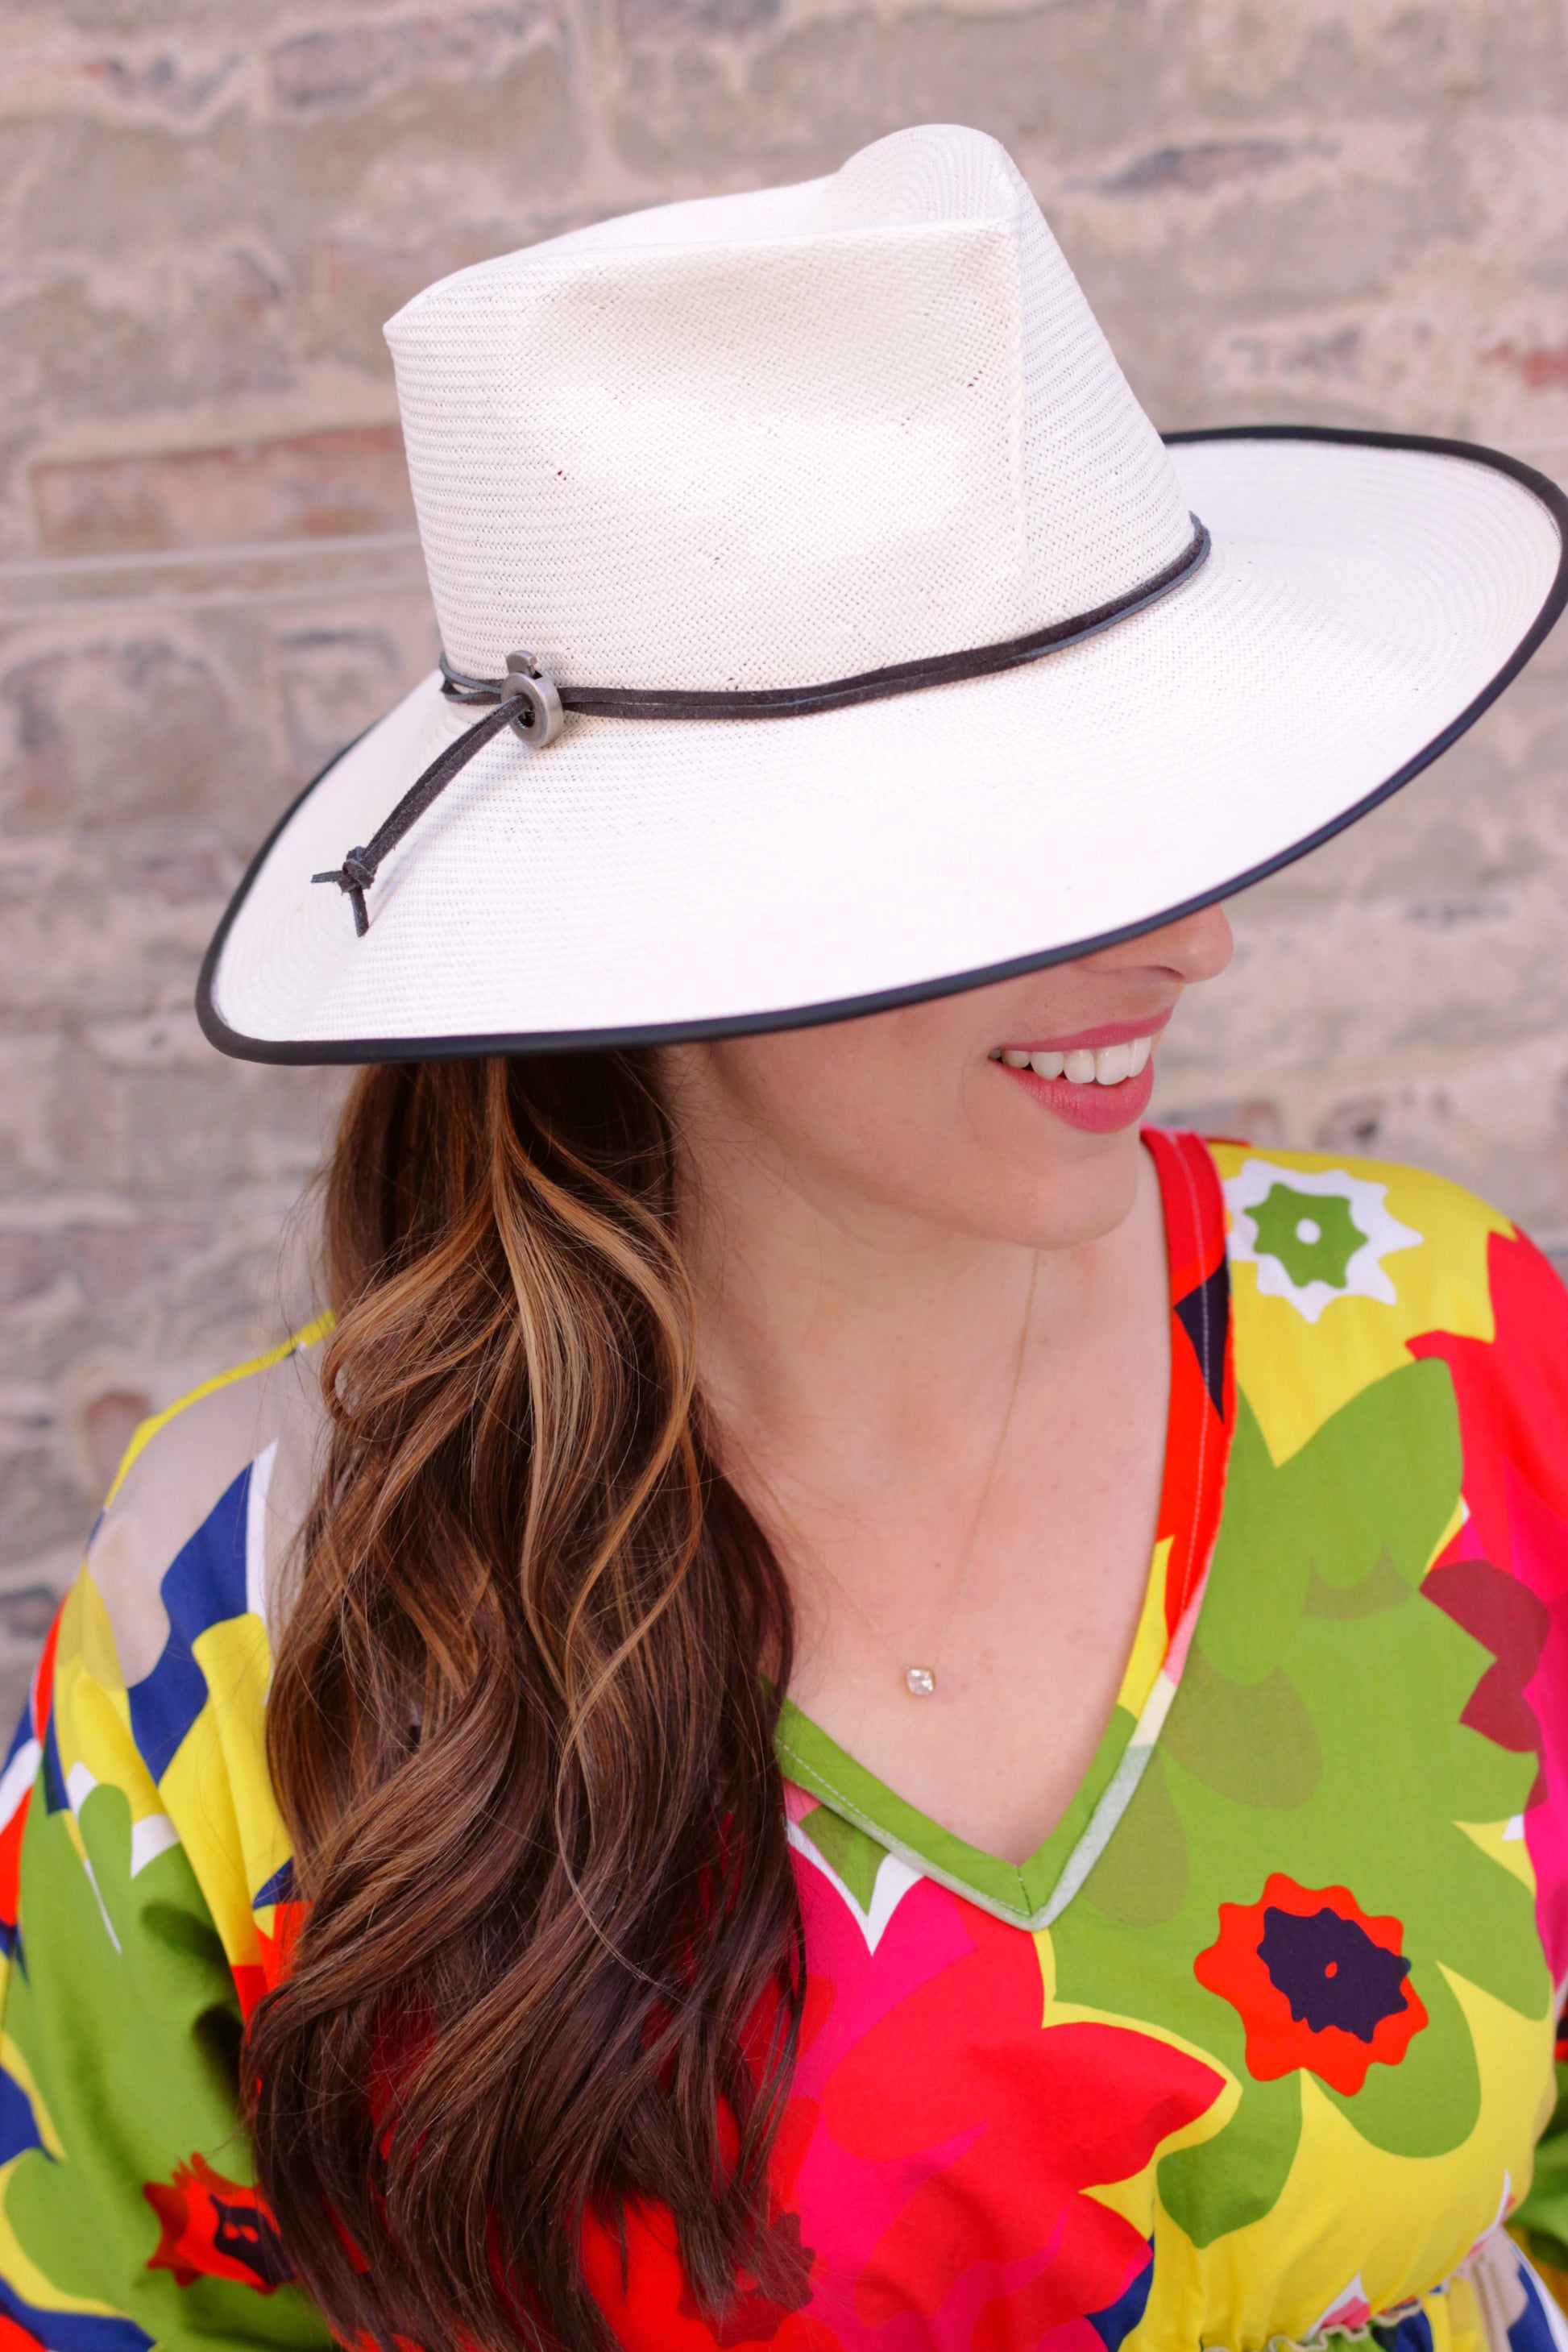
[(849, 1705)]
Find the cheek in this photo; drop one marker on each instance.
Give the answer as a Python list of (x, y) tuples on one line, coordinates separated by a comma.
[(870, 1113), (862, 1098)]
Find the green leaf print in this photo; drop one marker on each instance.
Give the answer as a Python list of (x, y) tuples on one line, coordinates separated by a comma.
[(1316, 1734), (850, 1851), (1141, 1878), (1255, 1742), (1543, 2215), (1380, 1477), (131, 2027)]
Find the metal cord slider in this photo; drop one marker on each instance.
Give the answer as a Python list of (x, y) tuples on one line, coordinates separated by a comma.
[(540, 719)]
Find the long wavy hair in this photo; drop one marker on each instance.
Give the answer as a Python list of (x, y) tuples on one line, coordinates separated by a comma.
[(520, 1728)]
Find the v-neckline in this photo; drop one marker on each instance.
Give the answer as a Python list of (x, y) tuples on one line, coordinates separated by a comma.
[(1200, 1415)]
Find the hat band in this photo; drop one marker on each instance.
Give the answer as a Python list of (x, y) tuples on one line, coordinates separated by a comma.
[(535, 704)]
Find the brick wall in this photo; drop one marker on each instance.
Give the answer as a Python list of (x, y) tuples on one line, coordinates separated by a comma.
[(1343, 210)]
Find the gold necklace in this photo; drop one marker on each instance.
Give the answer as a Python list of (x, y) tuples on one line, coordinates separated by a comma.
[(920, 1681)]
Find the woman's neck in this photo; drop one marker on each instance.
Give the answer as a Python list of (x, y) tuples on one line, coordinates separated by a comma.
[(953, 1441), (843, 1341)]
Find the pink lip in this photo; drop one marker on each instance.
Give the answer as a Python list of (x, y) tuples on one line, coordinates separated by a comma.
[(1109, 1033), (1094, 1109)]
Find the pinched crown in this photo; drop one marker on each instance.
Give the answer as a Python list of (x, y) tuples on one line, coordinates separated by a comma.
[(766, 440)]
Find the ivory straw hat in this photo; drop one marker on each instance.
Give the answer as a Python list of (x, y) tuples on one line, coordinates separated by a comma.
[(877, 644)]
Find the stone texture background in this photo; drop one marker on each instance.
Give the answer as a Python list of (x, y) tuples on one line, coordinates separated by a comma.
[(1351, 211)]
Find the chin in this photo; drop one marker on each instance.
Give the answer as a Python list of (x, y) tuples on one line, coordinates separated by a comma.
[(1062, 1200)]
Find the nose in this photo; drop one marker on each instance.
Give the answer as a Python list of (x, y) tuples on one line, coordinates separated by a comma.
[(1192, 947)]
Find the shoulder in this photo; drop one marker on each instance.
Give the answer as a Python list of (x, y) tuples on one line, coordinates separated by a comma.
[(1344, 1271), (152, 1682), (1319, 1228), (202, 1515)]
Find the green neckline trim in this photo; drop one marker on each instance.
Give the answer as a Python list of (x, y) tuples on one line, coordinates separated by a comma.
[(1019, 1893)]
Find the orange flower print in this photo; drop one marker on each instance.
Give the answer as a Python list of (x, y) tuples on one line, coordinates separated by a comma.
[(215, 2227), (1317, 1983)]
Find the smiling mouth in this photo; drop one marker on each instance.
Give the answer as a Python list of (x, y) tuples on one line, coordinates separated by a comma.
[(1083, 1066)]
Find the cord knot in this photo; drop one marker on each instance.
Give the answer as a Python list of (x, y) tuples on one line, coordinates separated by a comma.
[(353, 877)]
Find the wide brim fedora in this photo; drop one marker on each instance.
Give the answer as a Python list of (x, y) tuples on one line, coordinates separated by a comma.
[(858, 675)]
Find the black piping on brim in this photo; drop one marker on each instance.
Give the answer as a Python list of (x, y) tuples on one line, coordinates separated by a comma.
[(317, 1052)]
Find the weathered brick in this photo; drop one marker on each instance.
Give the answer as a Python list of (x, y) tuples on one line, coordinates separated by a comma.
[(175, 1128), (165, 82), (360, 280), (29, 1065), (346, 64), (40, 1505), (1033, 77), (27, 1418), (1541, 367), (305, 486), (16, 1682), (99, 1263), (335, 682), (28, 1612), (134, 729), (179, 876), (644, 20), (1208, 164)]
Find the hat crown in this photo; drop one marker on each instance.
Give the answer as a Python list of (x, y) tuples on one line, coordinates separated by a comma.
[(770, 439)]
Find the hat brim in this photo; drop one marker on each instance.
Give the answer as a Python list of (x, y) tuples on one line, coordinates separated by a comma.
[(1368, 595)]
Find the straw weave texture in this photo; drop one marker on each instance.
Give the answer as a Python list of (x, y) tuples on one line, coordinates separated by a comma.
[(763, 440)]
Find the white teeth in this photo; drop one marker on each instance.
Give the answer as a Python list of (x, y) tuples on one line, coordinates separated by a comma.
[(1107, 1066)]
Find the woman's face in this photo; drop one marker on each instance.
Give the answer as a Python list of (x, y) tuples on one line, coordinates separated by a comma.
[(1009, 1112)]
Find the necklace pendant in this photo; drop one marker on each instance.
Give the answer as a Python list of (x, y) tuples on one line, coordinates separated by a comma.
[(920, 1682)]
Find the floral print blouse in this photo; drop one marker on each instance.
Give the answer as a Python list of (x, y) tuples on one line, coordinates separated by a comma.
[(1257, 2049)]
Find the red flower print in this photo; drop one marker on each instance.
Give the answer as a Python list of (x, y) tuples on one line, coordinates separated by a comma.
[(1317, 1983), (649, 2304), (214, 2228), (1002, 2123), (1512, 1392), (1496, 1610), (274, 1950)]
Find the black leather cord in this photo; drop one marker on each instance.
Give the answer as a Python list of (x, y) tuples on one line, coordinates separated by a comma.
[(513, 706), (358, 869)]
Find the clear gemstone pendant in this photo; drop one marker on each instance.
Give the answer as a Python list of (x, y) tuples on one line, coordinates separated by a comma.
[(920, 1682)]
